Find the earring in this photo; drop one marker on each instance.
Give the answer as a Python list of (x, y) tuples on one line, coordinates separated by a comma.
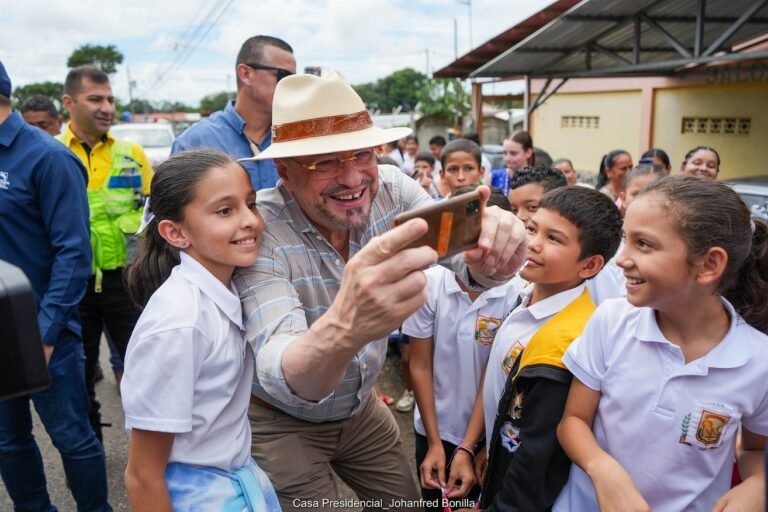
[(183, 244)]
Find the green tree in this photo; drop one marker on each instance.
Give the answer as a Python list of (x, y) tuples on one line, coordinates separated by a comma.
[(216, 101), (53, 90), (106, 58), (140, 106), (400, 89), (446, 98)]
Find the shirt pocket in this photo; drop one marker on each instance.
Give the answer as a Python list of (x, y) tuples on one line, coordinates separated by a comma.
[(709, 424)]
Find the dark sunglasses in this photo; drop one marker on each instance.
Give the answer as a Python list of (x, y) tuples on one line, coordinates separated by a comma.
[(281, 73)]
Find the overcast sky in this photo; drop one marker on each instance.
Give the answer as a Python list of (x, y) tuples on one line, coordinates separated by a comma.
[(176, 52)]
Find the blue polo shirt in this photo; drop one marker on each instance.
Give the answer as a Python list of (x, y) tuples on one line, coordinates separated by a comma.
[(44, 226), (223, 130)]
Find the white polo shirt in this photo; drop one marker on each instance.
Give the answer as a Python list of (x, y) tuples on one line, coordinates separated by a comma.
[(513, 336), (671, 425), (462, 332), (187, 370)]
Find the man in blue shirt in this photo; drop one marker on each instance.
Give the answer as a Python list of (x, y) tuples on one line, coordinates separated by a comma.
[(243, 128), (44, 231)]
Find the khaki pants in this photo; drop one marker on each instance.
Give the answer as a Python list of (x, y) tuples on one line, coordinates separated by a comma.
[(365, 452)]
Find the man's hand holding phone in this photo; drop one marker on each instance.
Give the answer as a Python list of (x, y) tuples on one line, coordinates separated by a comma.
[(493, 240), (503, 244)]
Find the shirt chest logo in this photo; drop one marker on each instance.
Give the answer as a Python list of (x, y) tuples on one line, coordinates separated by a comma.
[(4, 182), (509, 359), (709, 429), (485, 329)]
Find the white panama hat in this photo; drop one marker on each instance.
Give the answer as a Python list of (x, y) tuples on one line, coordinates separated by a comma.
[(314, 115)]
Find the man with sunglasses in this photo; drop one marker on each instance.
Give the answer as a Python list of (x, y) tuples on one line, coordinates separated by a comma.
[(331, 282), (243, 128)]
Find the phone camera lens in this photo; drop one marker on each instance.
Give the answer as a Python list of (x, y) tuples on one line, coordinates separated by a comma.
[(473, 208)]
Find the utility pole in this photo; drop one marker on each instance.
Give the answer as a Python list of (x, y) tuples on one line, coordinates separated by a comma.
[(426, 54), (455, 39), (468, 3), (130, 87)]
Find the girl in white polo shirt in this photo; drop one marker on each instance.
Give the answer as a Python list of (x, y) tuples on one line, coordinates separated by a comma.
[(188, 369), (664, 380)]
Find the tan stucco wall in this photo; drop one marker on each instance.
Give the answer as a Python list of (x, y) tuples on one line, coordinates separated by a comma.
[(620, 123), (741, 155)]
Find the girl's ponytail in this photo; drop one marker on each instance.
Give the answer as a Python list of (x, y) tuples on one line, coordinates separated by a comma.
[(151, 267), (749, 293)]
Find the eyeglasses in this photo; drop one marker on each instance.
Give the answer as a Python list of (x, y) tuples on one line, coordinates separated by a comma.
[(281, 73), (359, 159)]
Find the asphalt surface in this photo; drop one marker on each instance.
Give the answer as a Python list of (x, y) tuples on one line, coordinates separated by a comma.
[(116, 439)]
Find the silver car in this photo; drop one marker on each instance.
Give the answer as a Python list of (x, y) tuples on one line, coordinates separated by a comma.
[(155, 138), (754, 191)]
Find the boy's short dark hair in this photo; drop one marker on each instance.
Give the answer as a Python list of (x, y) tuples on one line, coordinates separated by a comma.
[(548, 177), (497, 197), (425, 157), (437, 140), (597, 218), (462, 146)]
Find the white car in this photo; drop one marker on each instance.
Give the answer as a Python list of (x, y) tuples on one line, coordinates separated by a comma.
[(155, 138)]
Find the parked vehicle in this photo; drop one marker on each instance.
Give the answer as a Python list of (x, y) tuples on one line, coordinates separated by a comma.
[(155, 138), (754, 191)]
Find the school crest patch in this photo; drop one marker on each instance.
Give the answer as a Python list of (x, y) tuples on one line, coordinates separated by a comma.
[(710, 428), (485, 329), (512, 353)]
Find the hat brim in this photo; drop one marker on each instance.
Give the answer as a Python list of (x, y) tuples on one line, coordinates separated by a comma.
[(348, 141)]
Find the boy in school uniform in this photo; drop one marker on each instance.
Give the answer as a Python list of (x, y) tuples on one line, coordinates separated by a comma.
[(462, 165), (571, 235), (451, 338)]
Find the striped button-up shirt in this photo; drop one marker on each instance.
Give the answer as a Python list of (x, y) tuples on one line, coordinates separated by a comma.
[(295, 281)]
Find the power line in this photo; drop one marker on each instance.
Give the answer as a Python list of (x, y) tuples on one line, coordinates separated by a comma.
[(181, 58)]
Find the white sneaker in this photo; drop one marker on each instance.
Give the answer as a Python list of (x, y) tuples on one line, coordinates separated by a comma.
[(405, 404)]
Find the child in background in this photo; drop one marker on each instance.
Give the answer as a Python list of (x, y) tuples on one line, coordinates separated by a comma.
[(188, 369), (451, 337), (518, 154), (462, 165), (637, 179), (664, 380), (424, 168), (527, 187), (570, 237)]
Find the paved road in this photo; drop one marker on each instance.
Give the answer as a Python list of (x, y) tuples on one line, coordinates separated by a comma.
[(116, 440)]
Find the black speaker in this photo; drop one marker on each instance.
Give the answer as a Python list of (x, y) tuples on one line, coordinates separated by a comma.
[(22, 363)]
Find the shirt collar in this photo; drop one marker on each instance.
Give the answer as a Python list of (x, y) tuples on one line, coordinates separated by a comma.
[(226, 299), (555, 303), (731, 352), (10, 128), (233, 118), (70, 138)]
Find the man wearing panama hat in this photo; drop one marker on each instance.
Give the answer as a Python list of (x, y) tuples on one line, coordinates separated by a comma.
[(331, 282)]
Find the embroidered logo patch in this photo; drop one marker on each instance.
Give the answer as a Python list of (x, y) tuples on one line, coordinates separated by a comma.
[(4, 183), (710, 427), (509, 359), (485, 329), (510, 437)]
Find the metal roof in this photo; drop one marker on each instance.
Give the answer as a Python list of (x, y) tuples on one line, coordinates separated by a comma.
[(464, 65), (633, 37)]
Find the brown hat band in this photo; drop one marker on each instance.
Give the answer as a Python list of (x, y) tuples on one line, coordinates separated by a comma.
[(321, 126)]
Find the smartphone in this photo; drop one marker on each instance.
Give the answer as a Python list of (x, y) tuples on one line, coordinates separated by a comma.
[(454, 224)]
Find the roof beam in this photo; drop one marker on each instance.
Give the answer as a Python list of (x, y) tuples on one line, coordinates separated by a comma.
[(542, 97), (682, 50), (636, 47), (609, 53), (700, 19), (751, 10), (667, 19)]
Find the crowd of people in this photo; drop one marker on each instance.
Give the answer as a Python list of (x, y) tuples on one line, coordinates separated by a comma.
[(601, 348)]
